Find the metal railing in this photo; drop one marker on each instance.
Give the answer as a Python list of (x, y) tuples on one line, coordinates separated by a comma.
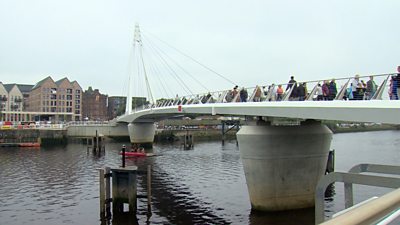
[(268, 93), (353, 177)]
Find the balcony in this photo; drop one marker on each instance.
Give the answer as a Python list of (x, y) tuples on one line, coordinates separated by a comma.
[(3, 98), (18, 100)]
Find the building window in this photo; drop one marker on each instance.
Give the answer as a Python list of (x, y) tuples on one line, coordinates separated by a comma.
[(69, 91)]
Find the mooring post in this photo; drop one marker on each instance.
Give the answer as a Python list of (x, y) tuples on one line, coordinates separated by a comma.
[(123, 155), (97, 141), (102, 194), (124, 190), (108, 191), (223, 133), (148, 192), (237, 130)]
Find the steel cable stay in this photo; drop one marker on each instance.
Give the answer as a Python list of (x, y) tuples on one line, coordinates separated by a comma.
[(191, 58), (174, 73), (158, 49), (146, 79), (171, 69), (160, 84), (158, 73)]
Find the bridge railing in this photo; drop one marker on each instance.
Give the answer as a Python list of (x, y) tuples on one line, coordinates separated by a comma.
[(300, 91)]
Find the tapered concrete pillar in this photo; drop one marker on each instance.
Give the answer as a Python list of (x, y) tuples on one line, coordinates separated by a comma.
[(282, 164), (142, 133)]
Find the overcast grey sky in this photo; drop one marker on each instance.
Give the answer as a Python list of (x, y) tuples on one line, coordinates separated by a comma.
[(251, 42)]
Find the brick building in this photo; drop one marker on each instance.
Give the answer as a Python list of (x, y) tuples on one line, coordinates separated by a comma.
[(59, 101), (94, 105)]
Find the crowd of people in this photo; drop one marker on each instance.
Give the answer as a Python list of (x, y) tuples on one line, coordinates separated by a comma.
[(327, 90)]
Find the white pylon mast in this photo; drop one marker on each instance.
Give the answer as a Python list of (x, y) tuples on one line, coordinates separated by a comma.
[(138, 40)]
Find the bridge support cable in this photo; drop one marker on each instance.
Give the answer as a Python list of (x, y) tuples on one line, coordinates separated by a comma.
[(172, 71), (159, 68), (162, 82), (156, 48), (147, 80), (191, 58)]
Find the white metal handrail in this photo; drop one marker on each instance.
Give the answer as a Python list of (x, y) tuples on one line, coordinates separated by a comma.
[(353, 178)]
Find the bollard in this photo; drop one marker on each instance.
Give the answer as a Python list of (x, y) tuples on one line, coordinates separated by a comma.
[(124, 190), (123, 155), (223, 133), (148, 192), (105, 196)]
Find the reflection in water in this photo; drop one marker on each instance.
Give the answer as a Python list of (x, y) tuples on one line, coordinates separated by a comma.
[(301, 216), (206, 185)]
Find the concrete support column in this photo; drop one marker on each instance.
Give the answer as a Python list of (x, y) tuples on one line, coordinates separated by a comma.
[(282, 164), (142, 133)]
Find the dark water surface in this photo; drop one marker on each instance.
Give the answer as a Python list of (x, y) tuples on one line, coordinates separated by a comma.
[(206, 185)]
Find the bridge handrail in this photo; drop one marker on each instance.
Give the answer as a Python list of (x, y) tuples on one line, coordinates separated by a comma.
[(371, 212), (220, 96), (354, 178)]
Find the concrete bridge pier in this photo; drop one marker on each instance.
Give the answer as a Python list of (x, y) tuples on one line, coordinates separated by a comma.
[(142, 133), (282, 164)]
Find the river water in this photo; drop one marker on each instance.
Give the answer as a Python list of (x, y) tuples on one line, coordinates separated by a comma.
[(206, 185)]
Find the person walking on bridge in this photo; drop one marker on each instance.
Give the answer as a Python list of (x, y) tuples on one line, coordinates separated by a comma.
[(292, 83), (332, 90), (398, 81), (355, 86), (279, 93), (243, 95)]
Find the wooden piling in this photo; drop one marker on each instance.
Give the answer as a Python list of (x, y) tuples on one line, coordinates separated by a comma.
[(102, 194), (123, 155), (107, 172), (223, 133), (148, 192), (97, 142)]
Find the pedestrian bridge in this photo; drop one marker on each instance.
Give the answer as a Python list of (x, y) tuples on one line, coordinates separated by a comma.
[(282, 163), (377, 111)]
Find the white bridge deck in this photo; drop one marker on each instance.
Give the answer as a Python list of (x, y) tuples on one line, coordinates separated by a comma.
[(377, 111)]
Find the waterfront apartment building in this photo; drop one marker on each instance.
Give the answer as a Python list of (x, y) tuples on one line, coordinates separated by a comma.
[(3, 98), (14, 98), (95, 105), (56, 100)]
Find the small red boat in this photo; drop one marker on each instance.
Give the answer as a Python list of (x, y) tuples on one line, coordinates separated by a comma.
[(30, 144), (134, 154)]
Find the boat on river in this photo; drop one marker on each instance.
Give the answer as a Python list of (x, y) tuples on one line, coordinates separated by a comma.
[(137, 154)]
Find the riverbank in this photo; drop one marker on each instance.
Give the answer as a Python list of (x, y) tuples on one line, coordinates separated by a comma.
[(200, 131), (46, 137), (362, 127), (216, 134)]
